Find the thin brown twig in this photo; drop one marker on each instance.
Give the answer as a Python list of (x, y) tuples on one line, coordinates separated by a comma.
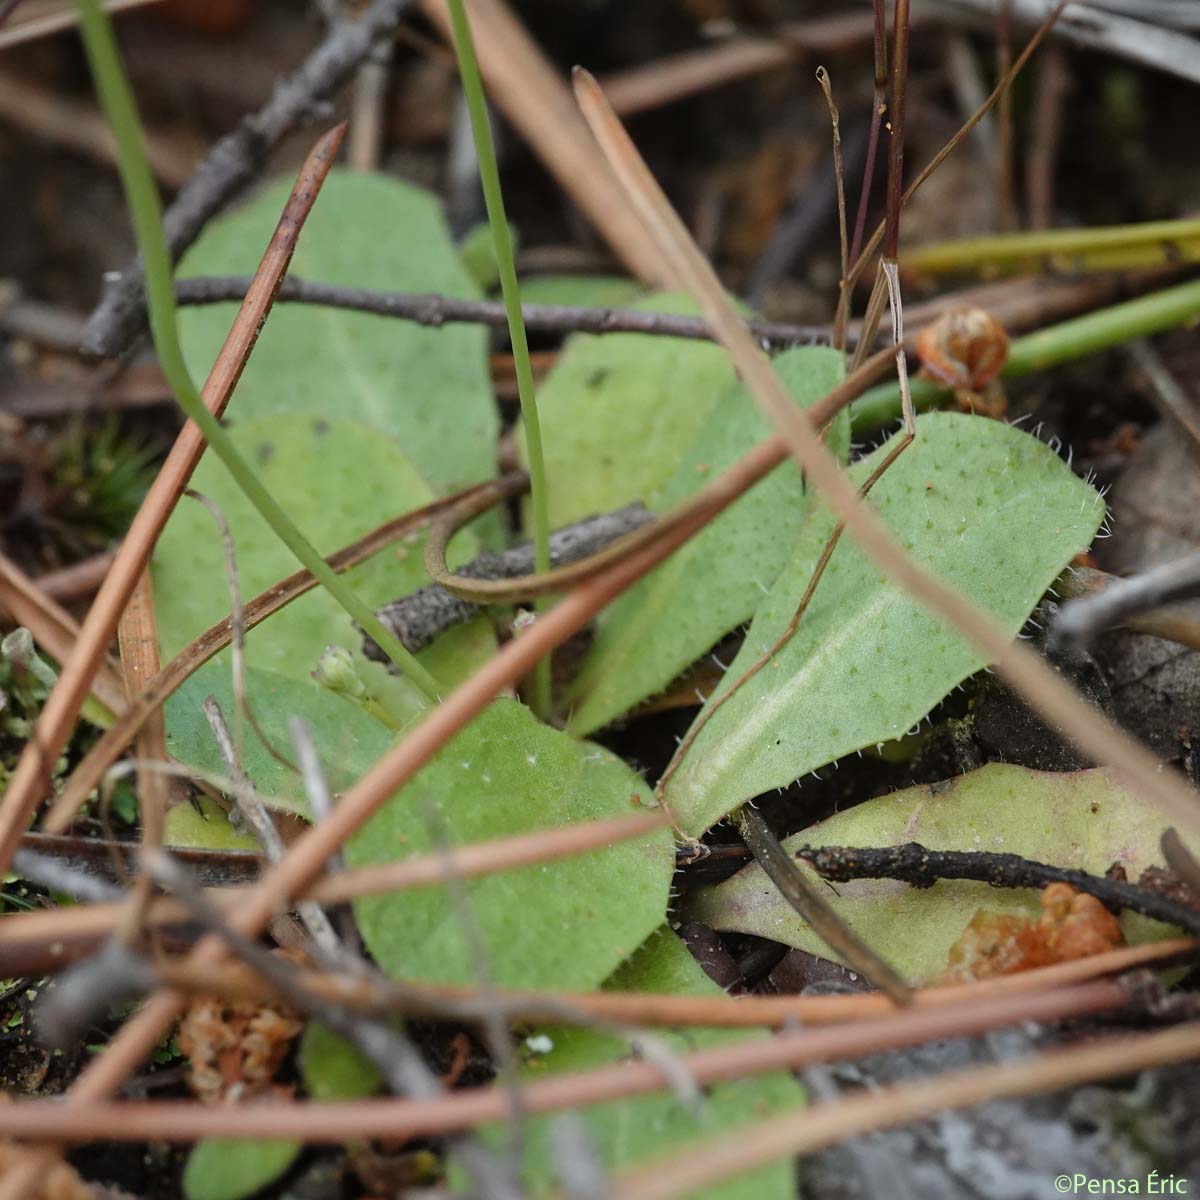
[(1040, 34), (1167, 395), (433, 1001), (839, 328), (1038, 683), (704, 504), (399, 1063), (716, 1159), (42, 24), (137, 637), (306, 859), (89, 772), (80, 578), (529, 90), (234, 161), (51, 117), (869, 327), (331, 1123), (29, 779), (35, 941), (1004, 118), (674, 77), (369, 108), (1051, 85), (816, 911), (878, 108), (55, 630), (895, 175), (435, 311), (1018, 304)]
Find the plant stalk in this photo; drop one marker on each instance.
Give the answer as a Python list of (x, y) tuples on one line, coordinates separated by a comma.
[(112, 88), (489, 177), (1050, 347)]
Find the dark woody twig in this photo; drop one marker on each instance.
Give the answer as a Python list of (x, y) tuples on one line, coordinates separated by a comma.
[(914, 864), (815, 909), (435, 311), (234, 161), (419, 618), (1070, 627), (105, 862), (1080, 620)]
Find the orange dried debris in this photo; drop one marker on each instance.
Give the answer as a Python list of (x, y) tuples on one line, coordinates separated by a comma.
[(1071, 925), (235, 1048), (965, 349)]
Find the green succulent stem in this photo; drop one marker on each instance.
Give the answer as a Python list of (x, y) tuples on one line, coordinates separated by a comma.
[(1050, 347), (115, 95), (489, 176), (1107, 248)]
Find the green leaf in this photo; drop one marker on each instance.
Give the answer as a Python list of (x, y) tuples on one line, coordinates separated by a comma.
[(625, 1131), (619, 411), (334, 1068), (337, 479), (348, 740), (1085, 820), (984, 506), (228, 1169), (717, 580), (203, 824), (562, 924), (591, 291), (477, 253), (428, 388)]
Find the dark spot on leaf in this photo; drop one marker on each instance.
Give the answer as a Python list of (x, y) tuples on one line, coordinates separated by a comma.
[(264, 451), (597, 377), (320, 426)]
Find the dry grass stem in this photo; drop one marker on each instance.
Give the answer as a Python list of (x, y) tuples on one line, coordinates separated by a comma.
[(828, 1124), (83, 1120), (529, 91), (30, 778), (1021, 667), (54, 630), (90, 771), (651, 1009)]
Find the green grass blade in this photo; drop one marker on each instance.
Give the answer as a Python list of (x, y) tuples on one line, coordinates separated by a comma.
[(115, 95), (489, 176)]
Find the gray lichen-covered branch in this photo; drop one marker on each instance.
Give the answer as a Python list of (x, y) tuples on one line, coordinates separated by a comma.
[(435, 311), (419, 618), (234, 161)]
